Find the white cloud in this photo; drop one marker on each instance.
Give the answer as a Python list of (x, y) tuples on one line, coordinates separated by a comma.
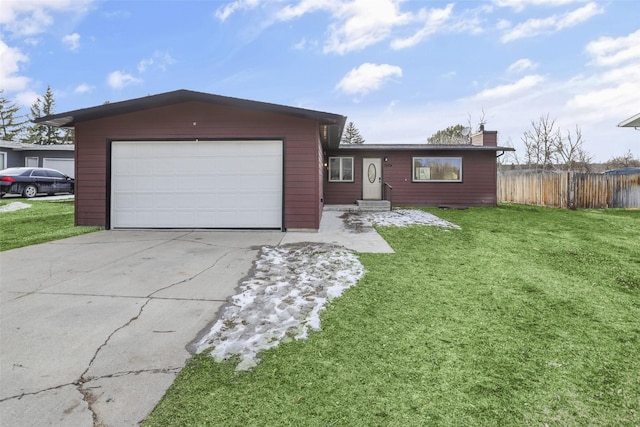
[(10, 59), (519, 5), (72, 41), (362, 23), (229, 9), (118, 79), (509, 90), (551, 24), (613, 90), (609, 51), (357, 24), (434, 21), (29, 17), (27, 98), (159, 60), (83, 88), (367, 77), (522, 65)]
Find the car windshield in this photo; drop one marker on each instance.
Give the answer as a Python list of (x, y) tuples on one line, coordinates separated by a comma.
[(14, 171)]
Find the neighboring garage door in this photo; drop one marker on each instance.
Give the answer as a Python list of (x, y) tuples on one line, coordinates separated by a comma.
[(63, 165), (196, 184)]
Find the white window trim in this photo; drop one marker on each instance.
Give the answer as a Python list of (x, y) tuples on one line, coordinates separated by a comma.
[(413, 169), (341, 179), (3, 159)]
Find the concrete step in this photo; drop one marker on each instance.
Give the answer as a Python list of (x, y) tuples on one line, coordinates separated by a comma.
[(373, 205)]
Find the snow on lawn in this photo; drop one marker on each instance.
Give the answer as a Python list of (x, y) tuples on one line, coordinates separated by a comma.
[(14, 206), (404, 217), (282, 300)]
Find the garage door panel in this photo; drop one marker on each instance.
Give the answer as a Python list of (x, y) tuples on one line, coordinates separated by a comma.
[(187, 184), (66, 166)]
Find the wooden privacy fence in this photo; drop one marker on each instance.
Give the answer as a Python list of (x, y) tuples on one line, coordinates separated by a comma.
[(570, 190)]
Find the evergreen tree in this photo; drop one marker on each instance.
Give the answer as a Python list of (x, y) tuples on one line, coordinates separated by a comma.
[(68, 136), (10, 128), (39, 133), (352, 135)]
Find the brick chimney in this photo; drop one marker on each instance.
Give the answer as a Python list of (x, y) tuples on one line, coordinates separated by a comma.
[(487, 138)]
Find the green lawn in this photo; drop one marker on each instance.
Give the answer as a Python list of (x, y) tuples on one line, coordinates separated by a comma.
[(44, 221), (525, 317)]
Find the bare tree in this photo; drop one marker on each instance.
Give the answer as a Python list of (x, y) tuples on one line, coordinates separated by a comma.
[(509, 157), (540, 144), (546, 149), (571, 154), (628, 160)]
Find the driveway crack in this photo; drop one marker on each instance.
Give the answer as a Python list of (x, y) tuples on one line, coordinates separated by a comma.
[(82, 383)]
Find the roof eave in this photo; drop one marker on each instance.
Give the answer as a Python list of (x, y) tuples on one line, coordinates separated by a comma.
[(422, 147), (70, 118), (631, 122)]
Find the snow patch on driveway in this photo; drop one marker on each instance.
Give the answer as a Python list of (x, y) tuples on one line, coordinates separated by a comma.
[(14, 206), (282, 300)]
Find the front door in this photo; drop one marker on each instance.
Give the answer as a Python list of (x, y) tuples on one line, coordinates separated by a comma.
[(371, 179)]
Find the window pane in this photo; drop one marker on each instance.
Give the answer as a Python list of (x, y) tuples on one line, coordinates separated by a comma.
[(55, 174), (334, 169), (437, 169), (347, 169)]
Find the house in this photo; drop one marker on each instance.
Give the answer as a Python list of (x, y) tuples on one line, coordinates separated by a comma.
[(417, 174), (187, 159), (57, 156)]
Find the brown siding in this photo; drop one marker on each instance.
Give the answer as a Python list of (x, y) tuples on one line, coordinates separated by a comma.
[(478, 186), (193, 120)]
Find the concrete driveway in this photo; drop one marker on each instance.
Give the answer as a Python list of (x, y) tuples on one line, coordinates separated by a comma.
[(95, 328)]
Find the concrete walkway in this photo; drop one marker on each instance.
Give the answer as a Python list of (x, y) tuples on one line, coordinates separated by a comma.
[(95, 328)]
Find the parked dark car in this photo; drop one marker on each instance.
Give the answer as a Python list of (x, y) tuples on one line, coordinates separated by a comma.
[(33, 181)]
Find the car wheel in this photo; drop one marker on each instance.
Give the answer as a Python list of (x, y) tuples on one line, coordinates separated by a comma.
[(30, 191)]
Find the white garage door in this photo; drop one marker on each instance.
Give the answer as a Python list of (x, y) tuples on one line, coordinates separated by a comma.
[(63, 165), (191, 184)]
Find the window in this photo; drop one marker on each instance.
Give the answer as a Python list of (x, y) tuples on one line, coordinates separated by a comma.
[(31, 162), (340, 169), (438, 169)]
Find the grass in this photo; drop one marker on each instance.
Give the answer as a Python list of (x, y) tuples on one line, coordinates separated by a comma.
[(526, 317), (43, 222)]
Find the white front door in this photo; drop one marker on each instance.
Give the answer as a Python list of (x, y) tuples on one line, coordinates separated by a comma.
[(371, 179)]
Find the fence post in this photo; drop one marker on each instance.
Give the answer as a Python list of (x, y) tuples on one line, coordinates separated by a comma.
[(571, 202)]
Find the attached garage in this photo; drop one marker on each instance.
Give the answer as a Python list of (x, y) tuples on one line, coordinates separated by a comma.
[(196, 184), (186, 159)]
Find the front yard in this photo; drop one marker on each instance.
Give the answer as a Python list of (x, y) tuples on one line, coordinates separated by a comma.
[(525, 316), (25, 222)]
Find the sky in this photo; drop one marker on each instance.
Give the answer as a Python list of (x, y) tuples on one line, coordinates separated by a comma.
[(400, 70)]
